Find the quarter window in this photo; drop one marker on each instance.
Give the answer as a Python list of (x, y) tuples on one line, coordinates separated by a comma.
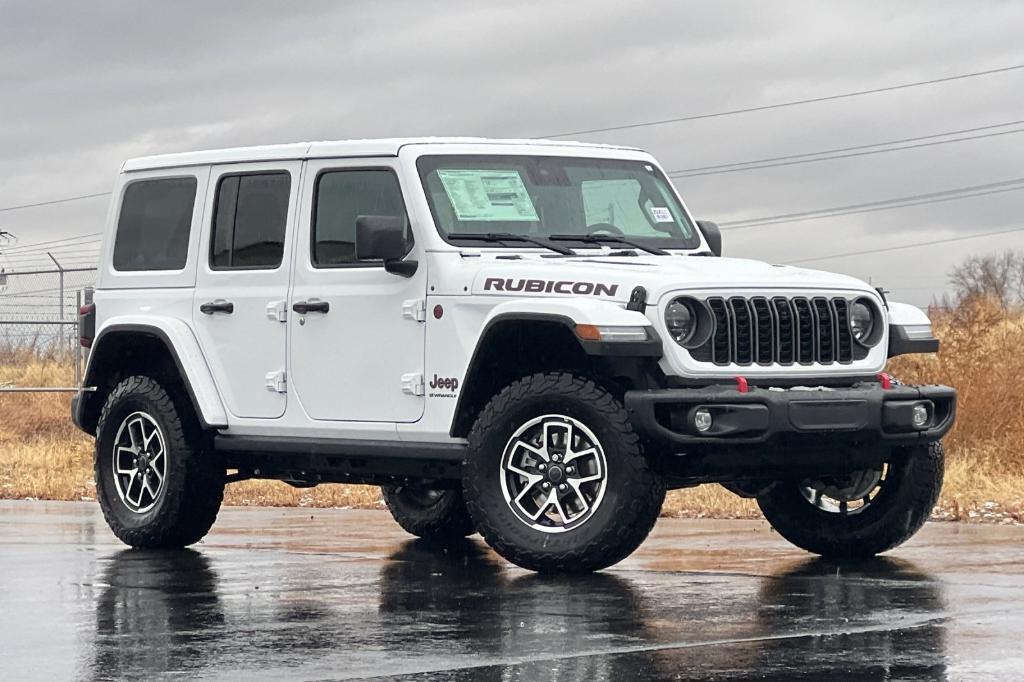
[(341, 197), (154, 225), (250, 220)]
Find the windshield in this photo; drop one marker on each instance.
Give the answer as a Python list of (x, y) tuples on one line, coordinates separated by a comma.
[(544, 196)]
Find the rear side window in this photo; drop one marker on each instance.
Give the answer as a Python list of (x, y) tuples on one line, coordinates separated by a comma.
[(249, 221), (154, 226), (341, 197)]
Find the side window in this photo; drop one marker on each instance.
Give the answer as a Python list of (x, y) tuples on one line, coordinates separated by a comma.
[(250, 216), (339, 199), (154, 225)]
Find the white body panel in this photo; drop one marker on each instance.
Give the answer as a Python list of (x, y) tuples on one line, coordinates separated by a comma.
[(246, 346), (169, 314), (345, 369), (347, 365)]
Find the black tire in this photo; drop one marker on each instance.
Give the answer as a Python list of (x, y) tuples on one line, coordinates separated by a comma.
[(187, 501), (429, 514), (620, 519), (911, 488)]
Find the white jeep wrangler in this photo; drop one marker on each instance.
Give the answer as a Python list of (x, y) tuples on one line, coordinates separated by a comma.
[(529, 339)]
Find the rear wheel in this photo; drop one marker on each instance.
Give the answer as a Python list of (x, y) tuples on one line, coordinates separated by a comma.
[(429, 513), (862, 513), (157, 484), (555, 478)]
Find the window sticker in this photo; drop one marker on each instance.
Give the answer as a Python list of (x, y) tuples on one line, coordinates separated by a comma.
[(661, 214), (488, 195)]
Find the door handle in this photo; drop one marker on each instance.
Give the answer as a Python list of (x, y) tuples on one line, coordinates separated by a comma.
[(218, 306), (311, 306)]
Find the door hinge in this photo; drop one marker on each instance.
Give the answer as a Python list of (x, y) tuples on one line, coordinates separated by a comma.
[(277, 382), (278, 310), (415, 310), (413, 384)]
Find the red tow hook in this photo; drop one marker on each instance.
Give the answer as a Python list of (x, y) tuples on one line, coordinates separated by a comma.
[(741, 385), (885, 380)]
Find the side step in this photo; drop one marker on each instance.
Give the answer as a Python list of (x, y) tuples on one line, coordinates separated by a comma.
[(310, 461)]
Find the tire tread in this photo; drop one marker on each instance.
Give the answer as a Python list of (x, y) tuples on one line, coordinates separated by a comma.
[(191, 502)]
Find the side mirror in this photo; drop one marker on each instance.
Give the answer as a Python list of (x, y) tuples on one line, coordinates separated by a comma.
[(712, 235), (382, 237)]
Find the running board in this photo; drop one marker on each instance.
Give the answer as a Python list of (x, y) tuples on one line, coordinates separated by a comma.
[(341, 460)]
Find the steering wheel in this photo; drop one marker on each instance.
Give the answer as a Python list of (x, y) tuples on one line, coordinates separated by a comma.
[(604, 227)]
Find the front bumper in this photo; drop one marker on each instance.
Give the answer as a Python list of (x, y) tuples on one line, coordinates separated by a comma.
[(865, 412)]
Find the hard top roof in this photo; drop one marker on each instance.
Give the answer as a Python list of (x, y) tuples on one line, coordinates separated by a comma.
[(329, 148)]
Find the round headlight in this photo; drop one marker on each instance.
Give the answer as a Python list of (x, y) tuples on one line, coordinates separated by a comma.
[(862, 321), (681, 321)]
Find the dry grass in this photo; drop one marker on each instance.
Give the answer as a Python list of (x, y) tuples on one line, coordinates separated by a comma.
[(43, 456)]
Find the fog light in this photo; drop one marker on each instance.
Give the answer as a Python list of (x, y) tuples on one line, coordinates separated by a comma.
[(920, 415), (702, 419)]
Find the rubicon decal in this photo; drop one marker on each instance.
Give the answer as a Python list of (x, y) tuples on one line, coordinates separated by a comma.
[(537, 286)]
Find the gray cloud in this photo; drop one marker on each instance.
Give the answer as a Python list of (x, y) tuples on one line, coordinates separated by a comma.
[(83, 86)]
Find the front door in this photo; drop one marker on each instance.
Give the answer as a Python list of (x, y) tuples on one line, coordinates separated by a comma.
[(242, 283), (356, 331)]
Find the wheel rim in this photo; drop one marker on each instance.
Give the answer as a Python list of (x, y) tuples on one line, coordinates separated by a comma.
[(553, 473), (846, 495), (139, 462)]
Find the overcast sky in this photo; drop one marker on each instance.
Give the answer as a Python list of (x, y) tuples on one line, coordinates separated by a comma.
[(85, 85)]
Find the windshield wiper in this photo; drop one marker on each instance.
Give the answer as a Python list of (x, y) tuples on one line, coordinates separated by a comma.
[(607, 239), (499, 237)]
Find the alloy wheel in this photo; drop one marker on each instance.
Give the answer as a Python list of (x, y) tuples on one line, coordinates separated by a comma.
[(850, 494), (139, 462), (553, 473)]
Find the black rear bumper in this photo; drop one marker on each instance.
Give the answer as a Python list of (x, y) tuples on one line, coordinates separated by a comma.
[(862, 413)]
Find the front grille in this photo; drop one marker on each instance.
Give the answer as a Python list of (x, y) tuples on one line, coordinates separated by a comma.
[(778, 331)]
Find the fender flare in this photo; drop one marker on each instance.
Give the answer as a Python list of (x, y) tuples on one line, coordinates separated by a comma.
[(183, 348), (567, 313), (571, 312), (902, 341)]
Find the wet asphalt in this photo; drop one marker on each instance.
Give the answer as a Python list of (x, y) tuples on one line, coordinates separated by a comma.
[(334, 594)]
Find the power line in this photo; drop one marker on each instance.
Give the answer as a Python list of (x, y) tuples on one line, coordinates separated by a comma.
[(849, 149), (779, 105), (679, 119), (897, 202), (816, 156), (85, 250), (69, 252), (905, 246), (882, 208), (54, 201), (34, 245)]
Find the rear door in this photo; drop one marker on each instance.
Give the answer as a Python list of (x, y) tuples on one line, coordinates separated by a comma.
[(242, 283), (357, 354)]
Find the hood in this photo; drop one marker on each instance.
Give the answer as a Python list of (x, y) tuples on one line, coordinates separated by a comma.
[(614, 277)]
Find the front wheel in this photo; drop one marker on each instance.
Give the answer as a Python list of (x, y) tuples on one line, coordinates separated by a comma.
[(862, 513), (555, 478)]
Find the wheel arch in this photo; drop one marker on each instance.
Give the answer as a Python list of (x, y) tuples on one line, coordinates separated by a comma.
[(166, 350), (514, 343)]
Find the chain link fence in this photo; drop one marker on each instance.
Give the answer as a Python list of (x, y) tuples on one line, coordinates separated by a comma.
[(39, 317)]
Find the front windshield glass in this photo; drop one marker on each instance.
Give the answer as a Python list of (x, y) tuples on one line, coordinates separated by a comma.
[(542, 196)]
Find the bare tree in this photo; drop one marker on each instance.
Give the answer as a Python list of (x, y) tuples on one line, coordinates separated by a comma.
[(996, 276)]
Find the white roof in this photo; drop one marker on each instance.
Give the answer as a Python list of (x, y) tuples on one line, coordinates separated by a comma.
[(328, 148)]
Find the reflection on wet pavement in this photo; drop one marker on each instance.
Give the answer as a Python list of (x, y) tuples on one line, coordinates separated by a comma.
[(338, 595)]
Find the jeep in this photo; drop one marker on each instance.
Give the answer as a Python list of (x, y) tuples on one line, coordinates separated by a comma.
[(532, 340)]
